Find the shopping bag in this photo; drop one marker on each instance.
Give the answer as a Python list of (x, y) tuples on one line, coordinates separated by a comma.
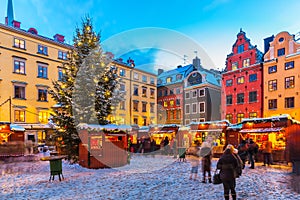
[(216, 177)]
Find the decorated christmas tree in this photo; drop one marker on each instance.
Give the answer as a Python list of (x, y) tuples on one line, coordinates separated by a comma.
[(85, 91)]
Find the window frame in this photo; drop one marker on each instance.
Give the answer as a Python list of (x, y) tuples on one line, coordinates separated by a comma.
[(21, 68), (19, 43), (240, 98), (42, 71), (289, 82), (272, 85)]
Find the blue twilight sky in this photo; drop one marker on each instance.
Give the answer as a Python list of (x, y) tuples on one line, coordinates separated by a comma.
[(159, 33)]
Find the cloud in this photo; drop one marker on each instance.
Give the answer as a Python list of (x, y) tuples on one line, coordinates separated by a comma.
[(214, 4)]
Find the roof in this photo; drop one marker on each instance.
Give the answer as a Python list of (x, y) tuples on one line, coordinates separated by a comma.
[(261, 130), (15, 127), (183, 71), (109, 127)]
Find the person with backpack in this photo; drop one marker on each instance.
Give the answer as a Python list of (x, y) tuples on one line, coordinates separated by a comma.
[(252, 151)]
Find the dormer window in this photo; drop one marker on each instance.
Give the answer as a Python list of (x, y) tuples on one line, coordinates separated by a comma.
[(169, 80), (178, 76), (234, 66), (241, 48)]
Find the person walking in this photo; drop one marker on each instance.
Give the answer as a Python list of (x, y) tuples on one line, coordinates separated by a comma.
[(227, 165), (267, 152), (193, 158), (252, 151), (205, 153)]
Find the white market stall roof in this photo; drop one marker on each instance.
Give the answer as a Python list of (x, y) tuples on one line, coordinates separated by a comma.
[(36, 126), (261, 130), (15, 127), (109, 127)]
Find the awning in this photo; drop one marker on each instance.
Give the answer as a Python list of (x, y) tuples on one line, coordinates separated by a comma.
[(36, 126), (262, 130), (207, 130)]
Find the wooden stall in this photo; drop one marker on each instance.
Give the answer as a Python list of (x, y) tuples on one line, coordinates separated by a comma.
[(184, 137), (159, 132), (213, 132), (102, 146)]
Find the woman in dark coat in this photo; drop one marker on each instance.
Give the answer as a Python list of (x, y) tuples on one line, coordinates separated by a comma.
[(227, 165)]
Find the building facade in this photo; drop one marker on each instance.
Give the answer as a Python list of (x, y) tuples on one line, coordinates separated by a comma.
[(170, 94), (202, 96), (139, 96), (282, 76), (242, 90)]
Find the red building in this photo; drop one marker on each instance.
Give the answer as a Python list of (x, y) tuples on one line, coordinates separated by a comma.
[(242, 82)]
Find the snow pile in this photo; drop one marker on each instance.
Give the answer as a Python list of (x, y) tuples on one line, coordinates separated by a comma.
[(147, 177)]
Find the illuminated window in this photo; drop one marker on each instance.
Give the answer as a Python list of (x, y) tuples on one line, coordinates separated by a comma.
[(240, 116), (169, 80), (144, 92), (246, 62), (19, 43), (19, 66), (19, 116), (43, 116), (172, 103), (272, 85), (165, 104), (240, 80), (290, 82), (229, 117), (253, 115), (42, 94), (234, 66)]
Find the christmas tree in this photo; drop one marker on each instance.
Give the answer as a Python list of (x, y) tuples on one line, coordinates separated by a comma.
[(85, 91)]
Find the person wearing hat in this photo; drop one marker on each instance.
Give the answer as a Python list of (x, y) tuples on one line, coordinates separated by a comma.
[(227, 165)]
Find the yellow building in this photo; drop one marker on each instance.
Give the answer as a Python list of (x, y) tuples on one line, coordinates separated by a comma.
[(29, 64), (281, 77), (139, 88)]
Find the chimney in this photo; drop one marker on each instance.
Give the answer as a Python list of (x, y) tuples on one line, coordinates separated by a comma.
[(160, 71), (59, 38), (130, 62), (16, 24)]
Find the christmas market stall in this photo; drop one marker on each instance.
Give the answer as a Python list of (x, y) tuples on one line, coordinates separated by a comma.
[(213, 131), (103, 146), (277, 129), (184, 138), (159, 132)]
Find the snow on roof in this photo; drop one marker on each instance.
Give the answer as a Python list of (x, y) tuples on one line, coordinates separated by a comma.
[(212, 122), (273, 118), (15, 127), (97, 127)]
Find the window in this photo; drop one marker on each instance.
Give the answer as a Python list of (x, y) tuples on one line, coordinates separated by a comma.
[(166, 92), (135, 106), (171, 102), (19, 92), (229, 82), (152, 93), (289, 82), (135, 120), (201, 92), (289, 65), (229, 100), (187, 121), (194, 93), (253, 96), (252, 77), (253, 115), (19, 116), (187, 95), (194, 107), (145, 122), (159, 94), (280, 52), (152, 81), (178, 77), (165, 104), (178, 91), (177, 102), (122, 105), (122, 72), (187, 108), (240, 80), (169, 79), (144, 79), (42, 71), (272, 104), (62, 55), (136, 76), (246, 62), (60, 74), (42, 49), (241, 48), (159, 81), (144, 92), (240, 98), (19, 66), (42, 94), (136, 90), (152, 107), (289, 102), (202, 107), (272, 69), (234, 66), (240, 116), (43, 116), (122, 87), (229, 117), (272, 85), (202, 120), (144, 106), (171, 91), (19, 43), (178, 114)]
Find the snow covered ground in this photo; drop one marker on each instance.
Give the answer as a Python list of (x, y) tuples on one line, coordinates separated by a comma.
[(162, 177)]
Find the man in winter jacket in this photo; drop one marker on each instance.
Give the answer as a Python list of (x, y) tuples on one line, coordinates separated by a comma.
[(228, 165)]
